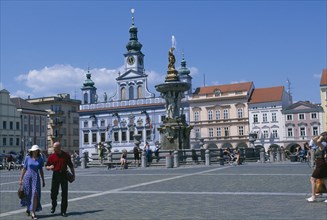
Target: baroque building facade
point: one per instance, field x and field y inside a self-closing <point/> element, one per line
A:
<point x="303" y="121"/>
<point x="266" y="117"/>
<point x="219" y="115"/>
<point x="133" y="109"/>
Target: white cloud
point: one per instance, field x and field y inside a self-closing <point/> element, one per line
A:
<point x="61" y="78"/>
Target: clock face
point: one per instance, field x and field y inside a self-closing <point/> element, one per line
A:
<point x="140" y="60"/>
<point x="130" y="60"/>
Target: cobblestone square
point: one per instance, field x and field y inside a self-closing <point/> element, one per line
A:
<point x="250" y="191"/>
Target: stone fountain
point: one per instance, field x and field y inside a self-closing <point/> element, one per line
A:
<point x="175" y="132"/>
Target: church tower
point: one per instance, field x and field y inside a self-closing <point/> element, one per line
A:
<point x="184" y="75"/>
<point x="132" y="84"/>
<point x="89" y="90"/>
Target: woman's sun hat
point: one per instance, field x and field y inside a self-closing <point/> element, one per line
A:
<point x="34" y="148"/>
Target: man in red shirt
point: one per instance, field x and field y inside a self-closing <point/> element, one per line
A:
<point x="58" y="162"/>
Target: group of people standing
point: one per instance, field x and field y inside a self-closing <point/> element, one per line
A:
<point x="137" y="151"/>
<point x="32" y="174"/>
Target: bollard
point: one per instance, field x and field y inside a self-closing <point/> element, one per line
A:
<point x="72" y="157"/>
<point x="207" y="157"/>
<point x="84" y="160"/>
<point x="169" y="161"/>
<point x="278" y="155"/>
<point x="176" y="162"/>
<point x="262" y="155"/>
<point x="312" y="155"/>
<point x="221" y="157"/>
<point x="282" y="155"/>
<point x="110" y="157"/>
<point x="271" y="156"/>
<point x="143" y="159"/>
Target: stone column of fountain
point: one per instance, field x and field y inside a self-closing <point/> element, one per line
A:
<point x="175" y="132"/>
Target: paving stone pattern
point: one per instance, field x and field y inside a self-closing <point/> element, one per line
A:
<point x="251" y="191"/>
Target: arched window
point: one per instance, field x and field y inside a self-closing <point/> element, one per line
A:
<point x="131" y="92"/>
<point x="139" y="92"/>
<point x="85" y="98"/>
<point x="123" y="93"/>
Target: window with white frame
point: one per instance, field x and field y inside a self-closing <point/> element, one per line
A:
<point x="226" y="131"/>
<point x="123" y="136"/>
<point x="197" y="133"/>
<point x="301" y="116"/>
<point x="210" y="132"/>
<point x="225" y="114"/>
<point x="86" y="138"/>
<point x="131" y="135"/>
<point x="94" y="124"/>
<point x="275" y="133"/>
<point x="264" y="117"/>
<point x="314" y="115"/>
<point x="274" y="117"/>
<point x="210" y="115"/>
<point x="314" y="131"/>
<point x="102" y="137"/>
<point x="255" y="118"/>
<point x="240" y="130"/>
<point x="240" y="113"/>
<point x="218" y="132"/>
<point x="196" y="116"/>
<point x="217" y="115"/>
<point x="102" y="123"/>
<point x="116" y="138"/>
<point x="289" y="132"/>
<point x="265" y="134"/>
<point x="289" y="117"/>
<point x="302" y="131"/>
<point x="94" y="137"/>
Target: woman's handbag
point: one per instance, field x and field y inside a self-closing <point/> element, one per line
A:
<point x="70" y="177"/>
<point x="320" y="186"/>
<point x="20" y="193"/>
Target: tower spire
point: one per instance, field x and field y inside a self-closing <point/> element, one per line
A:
<point x="133" y="44"/>
<point x="132" y="11"/>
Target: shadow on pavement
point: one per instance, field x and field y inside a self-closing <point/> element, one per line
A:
<point x="70" y="213"/>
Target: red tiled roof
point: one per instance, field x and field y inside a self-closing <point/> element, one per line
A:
<point x="246" y="86"/>
<point x="271" y="94"/>
<point x="323" y="80"/>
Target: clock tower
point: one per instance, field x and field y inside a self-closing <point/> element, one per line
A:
<point x="132" y="83"/>
<point x="134" y="57"/>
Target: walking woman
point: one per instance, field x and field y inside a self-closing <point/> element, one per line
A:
<point x="30" y="181"/>
<point x="321" y="165"/>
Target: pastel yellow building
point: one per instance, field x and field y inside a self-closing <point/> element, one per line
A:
<point x="323" y="97"/>
<point x="219" y="115"/>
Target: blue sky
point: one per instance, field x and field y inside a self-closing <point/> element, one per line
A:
<point x="47" y="46"/>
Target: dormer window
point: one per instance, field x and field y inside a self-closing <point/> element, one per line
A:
<point x="217" y="92"/>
